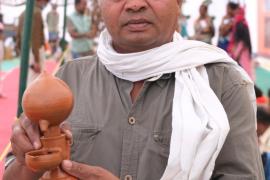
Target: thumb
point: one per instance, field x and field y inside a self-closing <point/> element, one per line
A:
<point x="79" y="170"/>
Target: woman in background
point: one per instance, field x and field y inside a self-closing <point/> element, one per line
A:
<point x="226" y="27"/>
<point x="204" y="28"/>
<point x="240" y="47"/>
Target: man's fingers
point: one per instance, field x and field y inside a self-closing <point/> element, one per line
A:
<point x="20" y="156"/>
<point x="32" y="131"/>
<point x="80" y="171"/>
<point x="20" y="143"/>
<point x="20" y="139"/>
<point x="66" y="128"/>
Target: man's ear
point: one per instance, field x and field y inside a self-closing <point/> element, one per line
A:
<point x="180" y="2"/>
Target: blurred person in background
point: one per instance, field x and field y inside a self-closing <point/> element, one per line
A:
<point x="260" y="98"/>
<point x="97" y="18"/>
<point x="53" y="27"/>
<point x="268" y="97"/>
<point x="36" y="61"/>
<point x="263" y="132"/>
<point x="182" y="21"/>
<point x="226" y="26"/>
<point x="204" y="28"/>
<point x="240" y="47"/>
<point x="1" y="56"/>
<point x="82" y="30"/>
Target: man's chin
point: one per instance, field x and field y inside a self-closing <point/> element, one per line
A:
<point x="140" y="40"/>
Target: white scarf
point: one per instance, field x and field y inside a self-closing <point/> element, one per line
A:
<point x="199" y="122"/>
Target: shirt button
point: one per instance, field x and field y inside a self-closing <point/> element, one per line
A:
<point x="131" y="120"/>
<point x="156" y="138"/>
<point x="128" y="177"/>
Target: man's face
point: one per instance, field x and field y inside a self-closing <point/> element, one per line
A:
<point x="42" y="3"/>
<point x="230" y="11"/>
<point x="81" y="7"/>
<point x="203" y="10"/>
<point x="54" y="6"/>
<point x="137" y="25"/>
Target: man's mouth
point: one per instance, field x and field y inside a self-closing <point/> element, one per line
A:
<point x="137" y="25"/>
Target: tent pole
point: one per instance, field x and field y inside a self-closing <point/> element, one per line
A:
<point x="26" y="38"/>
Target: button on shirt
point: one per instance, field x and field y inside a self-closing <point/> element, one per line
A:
<point x="131" y="120"/>
<point x="132" y="140"/>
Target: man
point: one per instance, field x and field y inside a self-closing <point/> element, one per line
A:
<point x="53" y="23"/>
<point x="82" y="29"/>
<point x="37" y="40"/>
<point x="204" y="28"/>
<point x="153" y="106"/>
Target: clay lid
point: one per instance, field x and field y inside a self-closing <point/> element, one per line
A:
<point x="47" y="98"/>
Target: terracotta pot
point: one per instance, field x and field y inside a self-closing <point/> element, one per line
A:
<point x="47" y="102"/>
<point x="57" y="174"/>
<point x="44" y="159"/>
<point x="47" y="98"/>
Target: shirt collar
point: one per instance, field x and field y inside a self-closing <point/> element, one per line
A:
<point x="161" y="79"/>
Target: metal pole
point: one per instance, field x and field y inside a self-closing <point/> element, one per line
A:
<point x="26" y="38"/>
<point x="63" y="42"/>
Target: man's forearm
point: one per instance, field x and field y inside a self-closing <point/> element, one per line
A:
<point x="18" y="171"/>
<point x="36" y="55"/>
<point x="74" y="34"/>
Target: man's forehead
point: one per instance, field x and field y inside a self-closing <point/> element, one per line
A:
<point x="179" y="1"/>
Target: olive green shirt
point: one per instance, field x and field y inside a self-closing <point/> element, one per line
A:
<point x="132" y="140"/>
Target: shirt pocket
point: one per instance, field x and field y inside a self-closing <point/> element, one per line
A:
<point x="155" y="156"/>
<point x="160" y="143"/>
<point x="227" y="176"/>
<point x="83" y="142"/>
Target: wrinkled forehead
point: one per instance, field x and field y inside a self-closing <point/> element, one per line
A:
<point x="179" y="1"/>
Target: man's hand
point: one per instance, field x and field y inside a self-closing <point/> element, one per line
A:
<point x="36" y="67"/>
<point x="85" y="172"/>
<point x="26" y="137"/>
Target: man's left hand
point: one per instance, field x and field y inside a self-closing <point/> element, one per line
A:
<point x="86" y="172"/>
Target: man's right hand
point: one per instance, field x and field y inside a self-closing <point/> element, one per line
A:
<point x="25" y="137"/>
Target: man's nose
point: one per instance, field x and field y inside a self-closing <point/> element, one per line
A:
<point x="135" y="5"/>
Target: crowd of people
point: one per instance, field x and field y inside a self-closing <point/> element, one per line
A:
<point x="85" y="24"/>
<point x="233" y="33"/>
<point x="82" y="26"/>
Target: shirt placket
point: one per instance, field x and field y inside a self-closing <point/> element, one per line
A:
<point x="131" y="142"/>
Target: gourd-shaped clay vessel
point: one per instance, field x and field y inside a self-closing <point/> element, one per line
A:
<point x="47" y="102"/>
<point x="47" y="98"/>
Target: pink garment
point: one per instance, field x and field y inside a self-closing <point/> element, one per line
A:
<point x="1" y="59"/>
<point x="239" y="17"/>
<point x="241" y="54"/>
